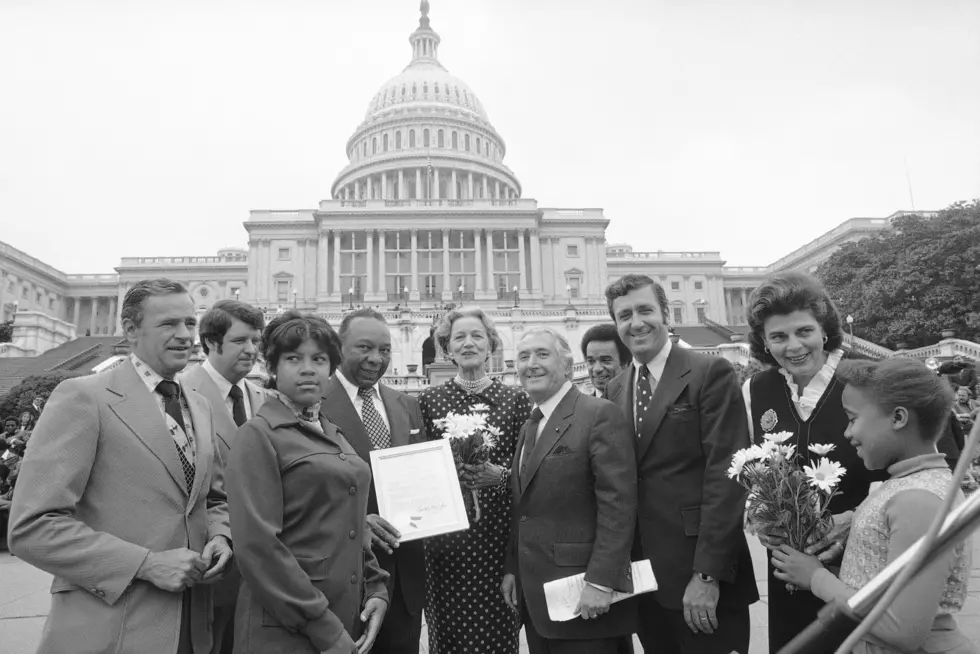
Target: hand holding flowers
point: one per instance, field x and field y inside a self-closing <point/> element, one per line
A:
<point x="471" y="438"/>
<point x="788" y="504"/>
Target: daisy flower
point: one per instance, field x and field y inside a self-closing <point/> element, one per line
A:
<point x="825" y="475"/>
<point x="822" y="450"/>
<point x="779" y="437"/>
<point x="739" y="459"/>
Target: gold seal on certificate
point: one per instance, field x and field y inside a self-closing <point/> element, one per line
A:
<point x="418" y="489"/>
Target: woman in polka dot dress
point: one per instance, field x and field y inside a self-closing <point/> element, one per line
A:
<point x="464" y="609"/>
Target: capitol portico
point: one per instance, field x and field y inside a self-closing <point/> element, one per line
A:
<point x="425" y="214"/>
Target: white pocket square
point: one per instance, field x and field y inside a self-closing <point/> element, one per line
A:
<point x="412" y="432"/>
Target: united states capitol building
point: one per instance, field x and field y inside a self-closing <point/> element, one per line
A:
<point x="425" y="214"/>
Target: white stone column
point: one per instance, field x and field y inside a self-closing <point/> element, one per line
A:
<point x="435" y="184"/>
<point x="452" y="192"/>
<point x="251" y="293"/>
<point x="522" y="258"/>
<point x="603" y="267"/>
<point x="369" y="287"/>
<point x="347" y="191"/>
<point x="491" y="287"/>
<point x="267" y="264"/>
<point x="496" y="189"/>
<point x="745" y="304"/>
<point x="384" y="186"/>
<point x="111" y="317"/>
<point x="486" y="188"/>
<point x="120" y="298"/>
<point x="547" y="268"/>
<point x="447" y="292"/>
<point x="382" y="281"/>
<point x="401" y="185"/>
<point x="418" y="184"/>
<point x="76" y="315"/>
<point x="310" y="271"/>
<point x="535" y="263"/>
<point x="414" y="258"/>
<point x="336" y="265"/>
<point x="469" y="185"/>
<point x="478" y="251"/>
<point x="91" y="319"/>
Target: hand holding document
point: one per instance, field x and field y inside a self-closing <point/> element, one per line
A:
<point x="562" y="595"/>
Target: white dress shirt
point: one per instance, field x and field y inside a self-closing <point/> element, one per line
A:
<point x="548" y="406"/>
<point x="224" y="388"/>
<point x="656" y="368"/>
<point x="358" y="401"/>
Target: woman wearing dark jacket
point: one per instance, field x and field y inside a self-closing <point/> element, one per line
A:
<point x="298" y="496"/>
<point x="795" y="328"/>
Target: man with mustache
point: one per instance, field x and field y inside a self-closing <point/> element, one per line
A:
<point x="375" y="417"/>
<point x="688" y="419"/>
<point x="230" y="335"/>
<point x="122" y="498"/>
<point x="605" y="355"/>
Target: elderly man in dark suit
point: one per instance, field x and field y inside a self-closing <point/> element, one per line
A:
<point x="231" y="332"/>
<point x="574" y="486"/>
<point x="688" y="419"/>
<point x="121" y="497"/>
<point x="373" y="416"/>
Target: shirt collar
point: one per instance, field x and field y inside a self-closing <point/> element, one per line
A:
<point x="815" y="389"/>
<point x="918" y="464"/>
<point x="224" y="386"/>
<point x="303" y="413"/>
<point x="353" y="388"/>
<point x="548" y="406"/>
<point x="149" y="376"/>
<point x="656" y="367"/>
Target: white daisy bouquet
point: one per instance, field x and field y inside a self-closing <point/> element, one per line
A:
<point x="784" y="494"/>
<point x="471" y="438"/>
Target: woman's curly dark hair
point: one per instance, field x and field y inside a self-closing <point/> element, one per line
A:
<point x="287" y="332"/>
<point x="783" y="293"/>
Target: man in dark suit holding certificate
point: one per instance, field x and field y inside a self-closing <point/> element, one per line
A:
<point x="375" y="417"/>
<point x="574" y="487"/>
<point x="688" y="418"/>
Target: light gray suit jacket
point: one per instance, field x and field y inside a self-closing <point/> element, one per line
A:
<point x="100" y="489"/>
<point x="197" y="379"/>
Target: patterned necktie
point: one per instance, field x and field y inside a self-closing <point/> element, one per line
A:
<point x="377" y="430"/>
<point x="171" y="404"/>
<point x="644" y="396"/>
<point x="532" y="437"/>
<point x="237" y="406"/>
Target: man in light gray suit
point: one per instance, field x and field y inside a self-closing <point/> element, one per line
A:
<point x="231" y="332"/>
<point x="121" y="496"/>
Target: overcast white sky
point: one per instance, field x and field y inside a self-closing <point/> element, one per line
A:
<point x="138" y="128"/>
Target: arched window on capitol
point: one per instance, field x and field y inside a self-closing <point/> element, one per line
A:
<point x="455" y="141"/>
<point x="440" y="140"/>
<point x="425" y="137"/>
<point x="374" y="145"/>
<point x="411" y="138"/>
<point x="398" y="140"/>
<point x="466" y="142"/>
<point x="384" y="142"/>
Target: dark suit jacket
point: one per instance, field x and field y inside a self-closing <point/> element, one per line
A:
<point x="407" y="566"/>
<point x="574" y="508"/>
<point x="690" y="512"/>
<point x="298" y="503"/>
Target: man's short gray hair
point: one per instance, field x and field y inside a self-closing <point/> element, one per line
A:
<point x="132" y="307"/>
<point x="561" y="344"/>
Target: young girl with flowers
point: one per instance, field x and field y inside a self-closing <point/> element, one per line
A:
<point x="897" y="410"/>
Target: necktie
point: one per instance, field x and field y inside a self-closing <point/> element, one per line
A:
<point x="171" y="404"/>
<point x="644" y="395"/>
<point x="532" y="437"/>
<point x="377" y="430"/>
<point x="237" y="406"/>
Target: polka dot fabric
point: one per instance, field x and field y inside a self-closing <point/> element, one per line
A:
<point x="464" y="609"/>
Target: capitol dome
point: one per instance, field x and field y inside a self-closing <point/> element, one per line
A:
<point x="425" y="136"/>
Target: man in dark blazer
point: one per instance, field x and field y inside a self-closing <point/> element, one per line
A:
<point x="688" y="419"/>
<point x="373" y="416"/>
<point x="574" y="487"/>
<point x="605" y="356"/>
<point x="122" y="498"/>
<point x="230" y="332"/>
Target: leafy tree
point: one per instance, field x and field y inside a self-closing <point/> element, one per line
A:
<point x="748" y="369"/>
<point x="6" y="331"/>
<point x="21" y="396"/>
<point x="914" y="281"/>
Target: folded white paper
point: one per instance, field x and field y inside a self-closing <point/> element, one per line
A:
<point x="563" y="594"/>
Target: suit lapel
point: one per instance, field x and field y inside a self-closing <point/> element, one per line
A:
<point x="398" y="420"/>
<point x="669" y="387"/>
<point x="338" y="409"/>
<point x="198" y="379"/>
<point x="203" y="428"/>
<point x="620" y="392"/>
<point x="554" y="429"/>
<point x="517" y="484"/>
<point x="256" y="396"/>
<point x="137" y="409"/>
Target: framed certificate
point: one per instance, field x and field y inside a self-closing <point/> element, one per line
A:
<point x="417" y="489"/>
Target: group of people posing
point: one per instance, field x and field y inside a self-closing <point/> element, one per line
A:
<point x="191" y="511"/>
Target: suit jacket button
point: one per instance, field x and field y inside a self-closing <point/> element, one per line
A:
<point x="353" y="534"/>
<point x="353" y="579"/>
<point x="352" y="490"/>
